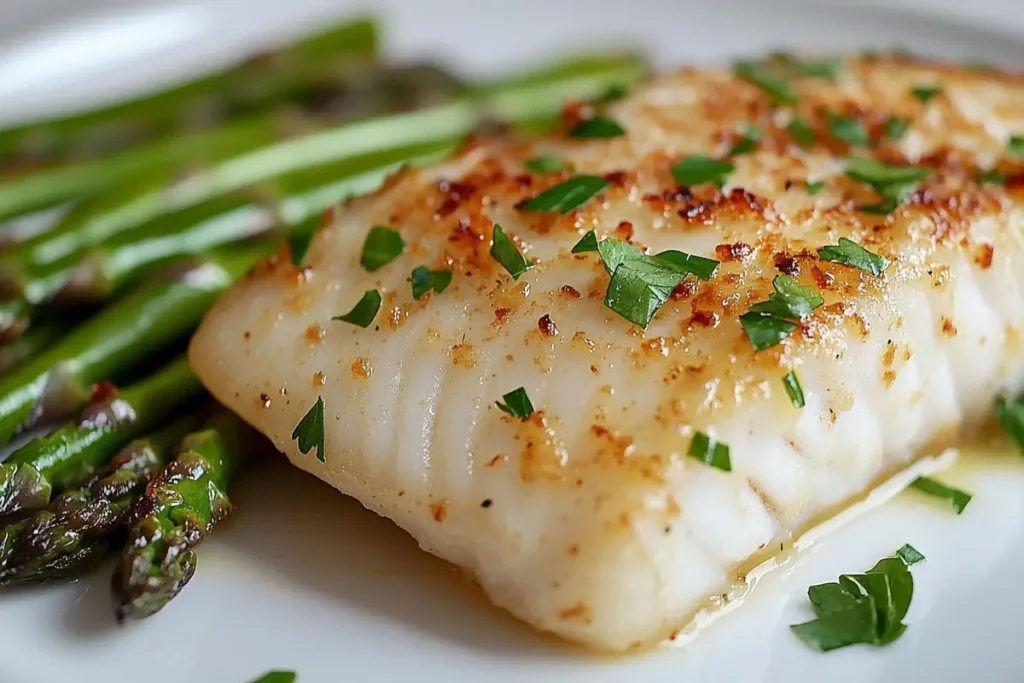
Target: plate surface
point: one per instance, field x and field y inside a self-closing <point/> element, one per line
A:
<point x="305" y="579"/>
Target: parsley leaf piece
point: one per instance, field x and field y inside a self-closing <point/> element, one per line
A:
<point x="793" y="389"/>
<point x="748" y="143"/>
<point x="1015" y="145"/>
<point x="877" y="173"/>
<point x="597" y="127"/>
<point x="992" y="176"/>
<point x="828" y="69"/>
<point x="636" y="295"/>
<point x="587" y="243"/>
<point x="765" y="330"/>
<point x="310" y="431"/>
<point x="1011" y="416"/>
<point x="925" y="92"/>
<point x="856" y="624"/>
<point x="801" y="132"/>
<point x="958" y="498"/>
<point x="516" y="403"/>
<point x="815" y="187"/>
<point x="849" y="253"/>
<point x="910" y="555"/>
<point x="565" y="197"/>
<point x="789" y="300"/>
<point x="365" y="310"/>
<point x="424" y="280"/>
<point x="775" y="87"/>
<point x="382" y="246"/>
<point x="544" y="164"/>
<point x="505" y="252"/>
<point x="703" y="268"/>
<point x="849" y="130"/>
<point x="277" y="677"/>
<point x="697" y="169"/>
<point x="896" y="127"/>
<point x="710" y="452"/>
<point x="298" y="245"/>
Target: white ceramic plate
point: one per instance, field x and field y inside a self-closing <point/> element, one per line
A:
<point x="305" y="579"/>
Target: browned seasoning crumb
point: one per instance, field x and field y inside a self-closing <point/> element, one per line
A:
<point x="264" y="400"/>
<point x="787" y="264"/>
<point x="464" y="355"/>
<point x="495" y="460"/>
<point x="500" y="313"/>
<point x="571" y="292"/>
<point x="617" y="178"/>
<point x="439" y="511"/>
<point x="314" y="333"/>
<point x="733" y="252"/>
<point x="984" y="256"/>
<point x="624" y="231"/>
<point x="319" y="379"/>
<point x="574" y="549"/>
<point x="361" y="368"/>
<point x="578" y="612"/>
<point x="593" y="369"/>
<point x="948" y="328"/>
<point x="247" y="335"/>
<point x="547" y="326"/>
<point x="487" y="503"/>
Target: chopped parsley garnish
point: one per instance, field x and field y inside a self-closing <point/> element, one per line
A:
<point x="894" y="183"/>
<point x="1011" y="416"/>
<point x="298" y="245"/>
<point x="958" y="498"/>
<point x="516" y="403"/>
<point x="703" y="268"/>
<point x="365" y="310"/>
<point x="697" y="169"/>
<point x="710" y="452"/>
<point x="862" y="608"/>
<point x="310" y="431"/>
<point x="992" y="176"/>
<point x="1015" y="145"/>
<point x="277" y="677"/>
<point x="748" y="143"/>
<point x="587" y="243"/>
<point x="424" y="280"/>
<point x="801" y="132"/>
<point x="849" y="130"/>
<point x="828" y="69"/>
<point x="565" y="197"/>
<point x="849" y="253"/>
<point x="814" y="188"/>
<point x="775" y="87"/>
<point x="793" y="389"/>
<point x="544" y="164"/>
<point x="597" y="127"/>
<point x="895" y="127"/>
<point x="382" y="246"/>
<point x="925" y="92"/>
<point x="910" y="554"/>
<point x="505" y="252"/>
<point x="768" y="323"/>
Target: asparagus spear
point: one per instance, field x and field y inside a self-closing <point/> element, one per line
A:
<point x="39" y="337"/>
<point x="57" y="382"/>
<point x="51" y="463"/>
<point x="514" y="100"/>
<point x="257" y="83"/>
<point x="30" y="547"/>
<point x="179" y="508"/>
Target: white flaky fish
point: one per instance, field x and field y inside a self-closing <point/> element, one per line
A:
<point x="607" y="515"/>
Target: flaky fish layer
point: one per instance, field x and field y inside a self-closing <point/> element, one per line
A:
<point x="589" y="519"/>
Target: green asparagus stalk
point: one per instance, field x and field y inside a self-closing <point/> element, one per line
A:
<point x="51" y="463"/>
<point x="514" y="100"/>
<point x="253" y="85"/>
<point x="58" y="382"/>
<point x="30" y="547"/>
<point x="179" y="509"/>
<point x="38" y="338"/>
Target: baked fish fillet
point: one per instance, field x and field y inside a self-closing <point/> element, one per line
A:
<point x="590" y="518"/>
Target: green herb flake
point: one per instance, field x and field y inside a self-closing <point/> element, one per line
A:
<point x="748" y="143"/>
<point x="849" y="253"/>
<point x="298" y="246"/>
<point x="597" y="127"/>
<point x="828" y="69"/>
<point x="277" y="677"/>
<point x="710" y="452"/>
<point x="365" y="310"/>
<point x="697" y="169"/>
<point x="1015" y="145"/>
<point x="925" y="92"/>
<point x="587" y="243"/>
<point x="894" y="183"/>
<point x="703" y="268"/>
<point x="1010" y="412"/>
<point x="849" y="130"/>
<point x="505" y="252"/>
<point x="991" y="176"/>
<point x="516" y="403"/>
<point x="310" y="431"/>
<point x="382" y="246"/>
<point x="424" y="280"/>
<point x="768" y="323"/>
<point x="775" y="87"/>
<point x="863" y="608"/>
<point x="815" y="187"/>
<point x="764" y="330"/>
<point x="910" y="555"/>
<point x="801" y="132"/>
<point x="958" y="498"/>
<point x="896" y="127"/>
<point x="565" y="197"/>
<point x="544" y="164"/>
<point x="793" y="389"/>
